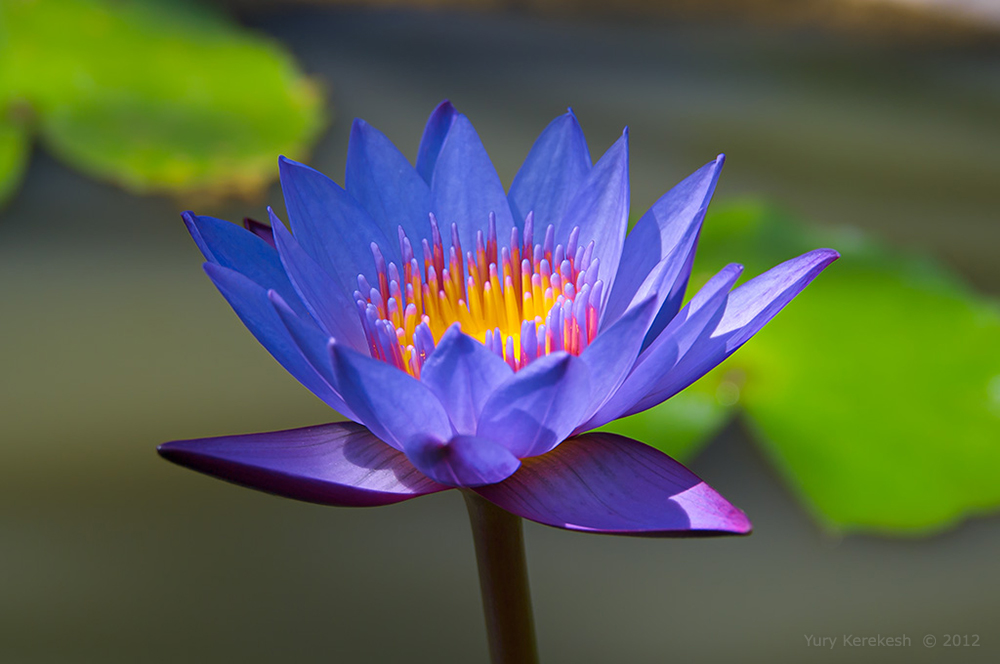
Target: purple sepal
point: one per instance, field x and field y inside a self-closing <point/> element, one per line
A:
<point x="263" y="231"/>
<point x="604" y="483"/>
<point x="464" y="461"/>
<point x="234" y="248"/>
<point x="339" y="464"/>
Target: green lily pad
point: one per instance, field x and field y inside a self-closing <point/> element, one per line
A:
<point x="876" y="393"/>
<point x="14" y="148"/>
<point x="157" y="96"/>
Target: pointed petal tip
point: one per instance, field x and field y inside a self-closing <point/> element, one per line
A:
<point x="213" y="270"/>
<point x="178" y="452"/>
<point x="286" y="164"/>
<point x="361" y="131"/>
<point x="733" y="269"/>
<point x="190" y="220"/>
<point x="710" y="513"/>
<point x="829" y="254"/>
<point x="609" y="484"/>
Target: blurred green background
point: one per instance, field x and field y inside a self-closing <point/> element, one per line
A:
<point x="112" y="340"/>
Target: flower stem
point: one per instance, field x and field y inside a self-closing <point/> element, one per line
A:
<point x="503" y="580"/>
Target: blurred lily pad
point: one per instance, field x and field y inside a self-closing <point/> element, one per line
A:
<point x="876" y="393"/>
<point x="14" y="147"/>
<point x="157" y="96"/>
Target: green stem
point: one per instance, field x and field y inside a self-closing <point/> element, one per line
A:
<point x="503" y="580"/>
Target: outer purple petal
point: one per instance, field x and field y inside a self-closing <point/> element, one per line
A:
<point x="695" y="321"/>
<point x="669" y="229"/>
<point x="747" y="310"/>
<point x="539" y="406"/>
<point x="393" y="404"/>
<point x="229" y="246"/>
<point x="340" y="464"/>
<point x="323" y="297"/>
<point x="330" y="225"/>
<point x="438" y="125"/>
<point x="465" y="461"/>
<point x="383" y="181"/>
<point x="605" y="483"/>
<point x="466" y="187"/>
<point x="600" y="209"/>
<point x="552" y="173"/>
<point x="463" y="374"/>
<point x="253" y="306"/>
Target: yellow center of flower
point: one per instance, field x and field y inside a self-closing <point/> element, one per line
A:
<point x="522" y="302"/>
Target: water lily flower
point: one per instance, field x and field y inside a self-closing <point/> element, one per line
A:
<point x="475" y="337"/>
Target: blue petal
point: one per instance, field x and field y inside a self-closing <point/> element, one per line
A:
<point x="604" y="483"/>
<point x="314" y="344"/>
<point x="539" y="406"/>
<point x="394" y="405"/>
<point x="552" y="173"/>
<point x="464" y="461"/>
<point x="383" y="181"/>
<point x="339" y="464"/>
<point x="253" y="306"/>
<point x="600" y="209"/>
<point x="463" y="374"/>
<point x="697" y="319"/>
<point x="658" y="285"/>
<point x="668" y="230"/>
<point x="330" y="225"/>
<point x="438" y="125"/>
<point x="323" y="297"/>
<point x="747" y="310"/>
<point x="229" y="246"/>
<point x="613" y="353"/>
<point x="466" y="187"/>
